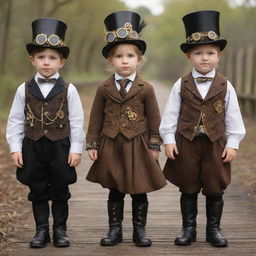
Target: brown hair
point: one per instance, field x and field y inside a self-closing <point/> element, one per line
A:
<point x="41" y="49"/>
<point x="192" y="48"/>
<point x="137" y="51"/>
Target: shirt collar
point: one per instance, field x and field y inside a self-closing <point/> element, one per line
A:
<point x="131" y="77"/>
<point x="56" y="75"/>
<point x="196" y="74"/>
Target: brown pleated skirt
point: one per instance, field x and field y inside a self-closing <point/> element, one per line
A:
<point x="126" y="165"/>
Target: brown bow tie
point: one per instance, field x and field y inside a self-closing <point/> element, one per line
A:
<point x="203" y="79"/>
<point x="46" y="80"/>
<point x="123" y="83"/>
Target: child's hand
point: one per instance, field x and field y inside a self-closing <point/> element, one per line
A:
<point x="17" y="159"/>
<point x="74" y="159"/>
<point x="154" y="153"/>
<point x="93" y="154"/>
<point x="229" y="154"/>
<point x="170" y="149"/>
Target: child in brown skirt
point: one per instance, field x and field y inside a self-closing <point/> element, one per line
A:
<point x="201" y="129"/>
<point x="123" y="137"/>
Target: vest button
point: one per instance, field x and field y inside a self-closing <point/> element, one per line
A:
<point x="61" y="126"/>
<point x="46" y="103"/>
<point x="195" y="129"/>
<point x="122" y="115"/>
<point x="123" y="125"/>
<point x="45" y="131"/>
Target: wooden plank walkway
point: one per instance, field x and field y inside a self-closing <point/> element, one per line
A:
<point x="88" y="221"/>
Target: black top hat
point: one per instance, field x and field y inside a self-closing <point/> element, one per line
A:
<point x="123" y="27"/>
<point x="202" y="27"/>
<point x="48" y="33"/>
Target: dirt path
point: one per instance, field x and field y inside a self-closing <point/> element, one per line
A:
<point x="88" y="220"/>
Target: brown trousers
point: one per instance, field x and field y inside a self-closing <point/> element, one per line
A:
<point x="198" y="166"/>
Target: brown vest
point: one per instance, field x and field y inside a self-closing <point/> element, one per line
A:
<point x="46" y="116"/>
<point x="210" y="111"/>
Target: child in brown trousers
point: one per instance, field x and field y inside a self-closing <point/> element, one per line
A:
<point x="123" y="137"/>
<point x="201" y="129"/>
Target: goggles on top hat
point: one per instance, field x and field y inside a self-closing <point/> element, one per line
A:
<point x="52" y="40"/>
<point x="122" y="33"/>
<point x="203" y="36"/>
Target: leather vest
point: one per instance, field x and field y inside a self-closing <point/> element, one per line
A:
<point x="209" y="112"/>
<point x="46" y="116"/>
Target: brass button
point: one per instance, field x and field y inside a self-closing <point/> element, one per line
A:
<point x="45" y="131"/>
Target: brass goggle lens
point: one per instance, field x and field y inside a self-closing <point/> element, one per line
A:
<point x="41" y="39"/>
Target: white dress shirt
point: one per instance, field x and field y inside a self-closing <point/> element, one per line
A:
<point x="235" y="129"/>
<point x="16" y="119"/>
<point x="129" y="85"/>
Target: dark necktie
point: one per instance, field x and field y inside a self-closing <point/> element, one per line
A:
<point x="123" y="83"/>
<point x="203" y="79"/>
<point x="46" y="80"/>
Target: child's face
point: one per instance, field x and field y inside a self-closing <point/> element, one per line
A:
<point x="204" y="58"/>
<point x="47" y="62"/>
<point x="125" y="59"/>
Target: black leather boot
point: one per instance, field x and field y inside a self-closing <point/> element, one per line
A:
<point x="139" y="218"/>
<point x="188" y="205"/>
<point x="213" y="212"/>
<point x="41" y="216"/>
<point x="60" y="215"/>
<point x="115" y="219"/>
<point x="41" y="238"/>
<point x="60" y="238"/>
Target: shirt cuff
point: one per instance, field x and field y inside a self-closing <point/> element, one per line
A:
<point x="76" y="147"/>
<point x="232" y="143"/>
<point x="169" y="139"/>
<point x="15" y="147"/>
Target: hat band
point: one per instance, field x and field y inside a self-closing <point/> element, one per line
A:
<point x="203" y="36"/>
<point x="125" y="32"/>
<point x="51" y="40"/>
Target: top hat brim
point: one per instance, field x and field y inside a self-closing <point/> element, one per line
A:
<point x="188" y="45"/>
<point x="139" y="43"/>
<point x="63" y="49"/>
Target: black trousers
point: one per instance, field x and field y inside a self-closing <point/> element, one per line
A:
<point x="46" y="171"/>
<point x="117" y="196"/>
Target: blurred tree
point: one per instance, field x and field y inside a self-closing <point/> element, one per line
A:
<point x="6" y="10"/>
